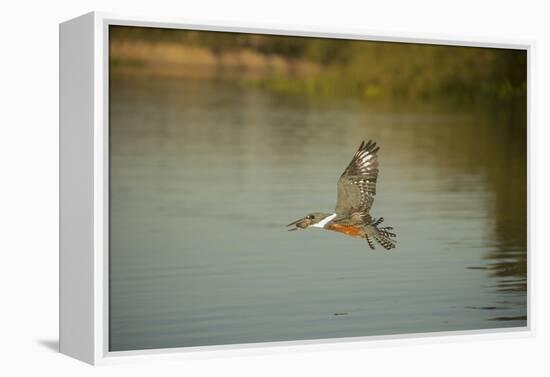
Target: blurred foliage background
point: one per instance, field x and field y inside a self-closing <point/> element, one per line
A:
<point x="326" y="67"/>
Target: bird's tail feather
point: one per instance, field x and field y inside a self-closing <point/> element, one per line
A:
<point x="384" y="236"/>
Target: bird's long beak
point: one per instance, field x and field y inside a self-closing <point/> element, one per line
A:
<point x="299" y="224"/>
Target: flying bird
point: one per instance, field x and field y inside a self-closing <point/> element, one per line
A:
<point x="356" y="190"/>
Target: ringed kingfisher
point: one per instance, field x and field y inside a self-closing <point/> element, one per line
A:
<point x="356" y="190"/>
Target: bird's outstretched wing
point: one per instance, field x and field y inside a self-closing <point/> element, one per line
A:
<point x="357" y="185"/>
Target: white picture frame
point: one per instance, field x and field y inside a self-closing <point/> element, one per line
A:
<point x="84" y="191"/>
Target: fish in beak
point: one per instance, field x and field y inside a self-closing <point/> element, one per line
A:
<point x="300" y="224"/>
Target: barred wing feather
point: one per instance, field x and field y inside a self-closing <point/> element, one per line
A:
<point x="357" y="185"/>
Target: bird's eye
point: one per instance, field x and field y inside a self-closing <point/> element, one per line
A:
<point x="310" y="217"/>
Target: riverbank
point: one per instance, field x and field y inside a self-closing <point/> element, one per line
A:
<point x="322" y="67"/>
<point x="176" y="60"/>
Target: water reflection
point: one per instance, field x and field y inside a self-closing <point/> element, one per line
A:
<point x="204" y="176"/>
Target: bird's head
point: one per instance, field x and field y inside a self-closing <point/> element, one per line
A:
<point x="312" y="219"/>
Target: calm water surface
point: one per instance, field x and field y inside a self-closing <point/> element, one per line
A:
<point x="204" y="176"/>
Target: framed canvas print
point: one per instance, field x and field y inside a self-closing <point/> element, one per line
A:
<point x="226" y="188"/>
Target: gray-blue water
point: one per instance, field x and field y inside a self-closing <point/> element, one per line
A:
<point x="204" y="176"/>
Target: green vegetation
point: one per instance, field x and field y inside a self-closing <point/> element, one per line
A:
<point x="413" y="71"/>
<point x="364" y="69"/>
